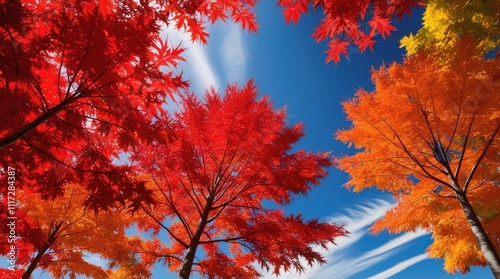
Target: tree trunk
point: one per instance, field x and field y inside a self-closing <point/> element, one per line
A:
<point x="187" y="265"/>
<point x="483" y="240"/>
<point x="35" y="261"/>
<point x="41" y="252"/>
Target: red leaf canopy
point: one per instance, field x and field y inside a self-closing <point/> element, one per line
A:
<point x="228" y="155"/>
<point x="83" y="81"/>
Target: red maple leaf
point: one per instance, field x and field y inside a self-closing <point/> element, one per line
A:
<point x="336" y="47"/>
<point x="364" y="41"/>
<point x="292" y="13"/>
<point x="247" y="20"/>
<point x="382" y="24"/>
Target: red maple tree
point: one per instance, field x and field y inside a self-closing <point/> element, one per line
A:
<point x="228" y="159"/>
<point x="81" y="82"/>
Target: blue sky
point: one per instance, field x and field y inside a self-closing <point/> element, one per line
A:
<point x="287" y="64"/>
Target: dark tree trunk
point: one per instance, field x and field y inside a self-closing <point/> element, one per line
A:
<point x="187" y="265"/>
<point x="41" y="252"/>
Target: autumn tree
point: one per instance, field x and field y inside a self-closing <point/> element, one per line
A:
<point x="73" y="74"/>
<point x="82" y="81"/>
<point x="445" y="22"/>
<point x="428" y="134"/>
<point x="230" y="158"/>
<point x="347" y="22"/>
<point x="59" y="235"/>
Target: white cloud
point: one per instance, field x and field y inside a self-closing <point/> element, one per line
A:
<point x="342" y="262"/>
<point x="351" y="265"/>
<point x="397" y="242"/>
<point x="400" y="267"/>
<point x="200" y="66"/>
<point x="359" y="219"/>
<point x="197" y="59"/>
<point x="233" y="54"/>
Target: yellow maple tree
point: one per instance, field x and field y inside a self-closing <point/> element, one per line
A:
<point x="446" y="21"/>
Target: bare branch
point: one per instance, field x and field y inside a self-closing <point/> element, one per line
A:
<point x="474" y="168"/>
<point x="164" y="227"/>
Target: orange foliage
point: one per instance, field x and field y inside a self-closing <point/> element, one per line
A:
<point x="61" y="237"/>
<point x="429" y="134"/>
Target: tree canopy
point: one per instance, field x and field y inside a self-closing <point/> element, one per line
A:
<point x="60" y="236"/>
<point x="428" y="134"/>
<point x="228" y="158"/>
<point x="445" y="22"/>
<point x="83" y="81"/>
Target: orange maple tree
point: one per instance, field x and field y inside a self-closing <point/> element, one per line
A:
<point x="82" y="81"/>
<point x="229" y="157"/>
<point x="429" y="134"/>
<point x="347" y="22"/>
<point x="59" y="236"/>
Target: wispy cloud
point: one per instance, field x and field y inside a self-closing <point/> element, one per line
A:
<point x="198" y="62"/>
<point x="400" y="267"/>
<point x="197" y="57"/>
<point x="352" y="264"/>
<point x="202" y="67"/>
<point x="343" y="262"/>
<point x="233" y="54"/>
